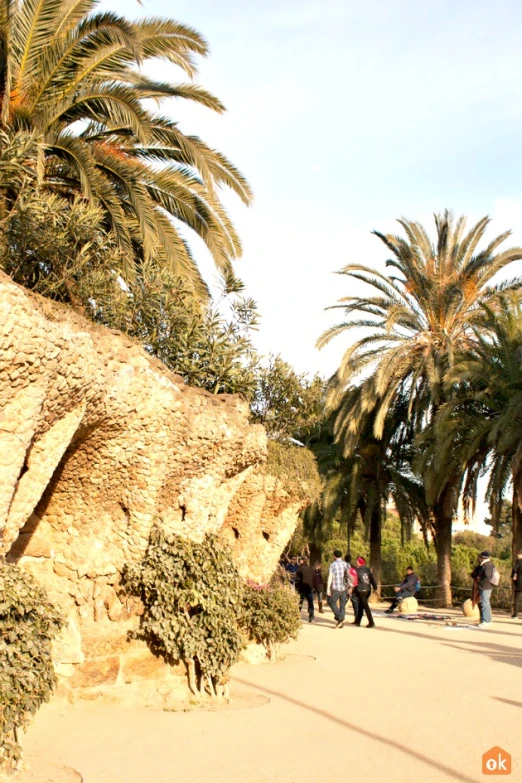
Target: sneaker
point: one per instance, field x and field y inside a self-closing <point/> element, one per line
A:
<point x="484" y="625"/>
<point x="388" y="611"/>
<point x="514" y="615"/>
<point x="338" y="623"/>
<point x="341" y="625"/>
<point x="371" y="625"/>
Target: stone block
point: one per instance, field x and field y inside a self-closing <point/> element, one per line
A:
<point x="96" y="671"/>
<point x="67" y="647"/>
<point x="473" y="612"/>
<point x="143" y="665"/>
<point x="409" y="605"/>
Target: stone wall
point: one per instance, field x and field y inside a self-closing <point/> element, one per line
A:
<point x="97" y="442"/>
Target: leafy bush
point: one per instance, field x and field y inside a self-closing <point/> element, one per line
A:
<point x="28" y="623"/>
<point x="270" y="614"/>
<point x="192" y="594"/>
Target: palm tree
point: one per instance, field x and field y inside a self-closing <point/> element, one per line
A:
<point x="415" y="320"/>
<point x="483" y="423"/>
<point x="72" y="78"/>
<point x="363" y="480"/>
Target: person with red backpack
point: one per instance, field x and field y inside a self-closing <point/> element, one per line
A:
<point x="365" y="582"/>
<point x="351" y="583"/>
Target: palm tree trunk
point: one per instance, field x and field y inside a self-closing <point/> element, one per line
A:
<point x="375" y="545"/>
<point x="316" y="553"/>
<point x="443" y="512"/>
<point x="516" y="512"/>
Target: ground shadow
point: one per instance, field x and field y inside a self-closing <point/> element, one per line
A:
<point x="508" y="701"/>
<point x="497" y="652"/>
<point x="451" y="773"/>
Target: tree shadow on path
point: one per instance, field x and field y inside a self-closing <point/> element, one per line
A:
<point x="448" y="771"/>
<point x="497" y="652"/>
<point x="508" y="701"/>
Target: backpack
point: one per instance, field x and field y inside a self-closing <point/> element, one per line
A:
<point x="417" y="586"/>
<point x="351" y="578"/>
<point x="495" y="577"/>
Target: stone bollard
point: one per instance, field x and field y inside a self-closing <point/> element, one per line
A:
<point x="408" y="605"/>
<point x="473" y="612"/>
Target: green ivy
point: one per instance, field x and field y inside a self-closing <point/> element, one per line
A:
<point x="270" y="614"/>
<point x="192" y="594"/>
<point x="28" y="624"/>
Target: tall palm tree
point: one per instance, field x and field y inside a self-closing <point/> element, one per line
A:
<point x="362" y="481"/>
<point x="72" y="77"/>
<point x="483" y="422"/>
<point x="415" y="319"/>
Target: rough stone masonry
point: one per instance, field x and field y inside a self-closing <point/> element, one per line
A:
<point x="99" y="441"/>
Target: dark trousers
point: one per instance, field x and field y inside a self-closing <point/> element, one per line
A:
<point x="354" y="599"/>
<point x="398" y="598"/>
<point x="308" y="593"/>
<point x="517" y="603"/>
<point x="362" y="606"/>
<point x="338" y="597"/>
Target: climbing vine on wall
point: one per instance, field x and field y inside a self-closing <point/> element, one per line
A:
<point x="28" y="624"/>
<point x="192" y="595"/>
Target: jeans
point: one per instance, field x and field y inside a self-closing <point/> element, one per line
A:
<point x="398" y="598"/>
<point x="338" y="596"/>
<point x="319" y="593"/>
<point x="485" y="606"/>
<point x="309" y="595"/>
<point x="354" y="599"/>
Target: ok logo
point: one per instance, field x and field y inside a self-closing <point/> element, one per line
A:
<point x="496" y="762"/>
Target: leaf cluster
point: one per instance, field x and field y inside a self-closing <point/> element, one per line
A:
<point x="270" y="612"/>
<point x="28" y="624"/>
<point x="192" y="594"/>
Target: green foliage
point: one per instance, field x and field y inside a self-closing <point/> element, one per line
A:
<point x="192" y="595"/>
<point x="287" y="404"/>
<point x="73" y="78"/>
<point x="208" y="344"/>
<point x="270" y="613"/>
<point x="296" y="467"/>
<point x="28" y="623"/>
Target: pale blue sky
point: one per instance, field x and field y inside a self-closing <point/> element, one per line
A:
<point x="345" y="115"/>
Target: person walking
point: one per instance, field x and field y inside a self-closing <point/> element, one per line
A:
<point x="336" y="588"/>
<point x="291" y="569"/>
<point x="352" y="583"/>
<point x="407" y="588"/>
<point x="484" y="576"/>
<point x="365" y="583"/>
<point x="516" y="576"/>
<point x="305" y="587"/>
<point x="318" y="585"/>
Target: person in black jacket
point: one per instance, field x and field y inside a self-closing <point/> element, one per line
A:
<point x="482" y="575"/>
<point x="305" y="587"/>
<point x="406" y="589"/>
<point x="516" y="576"/>
<point x="366" y="581"/>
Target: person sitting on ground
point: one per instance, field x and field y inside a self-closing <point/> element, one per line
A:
<point x="482" y="575"/>
<point x="305" y="587"/>
<point x="365" y="582"/>
<point x="406" y="589"/>
<point x="516" y="576"/>
<point x="318" y="584"/>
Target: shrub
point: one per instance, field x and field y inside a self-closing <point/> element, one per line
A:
<point x="28" y="623"/>
<point x="192" y="594"/>
<point x="270" y="614"/>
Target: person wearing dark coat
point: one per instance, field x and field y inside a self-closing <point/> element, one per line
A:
<point x="366" y="581"/>
<point x="406" y="589"/>
<point x="305" y="587"/>
<point x="516" y="576"/>
<point x="318" y="584"/>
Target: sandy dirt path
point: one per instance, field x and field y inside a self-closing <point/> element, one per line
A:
<point x="406" y="700"/>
